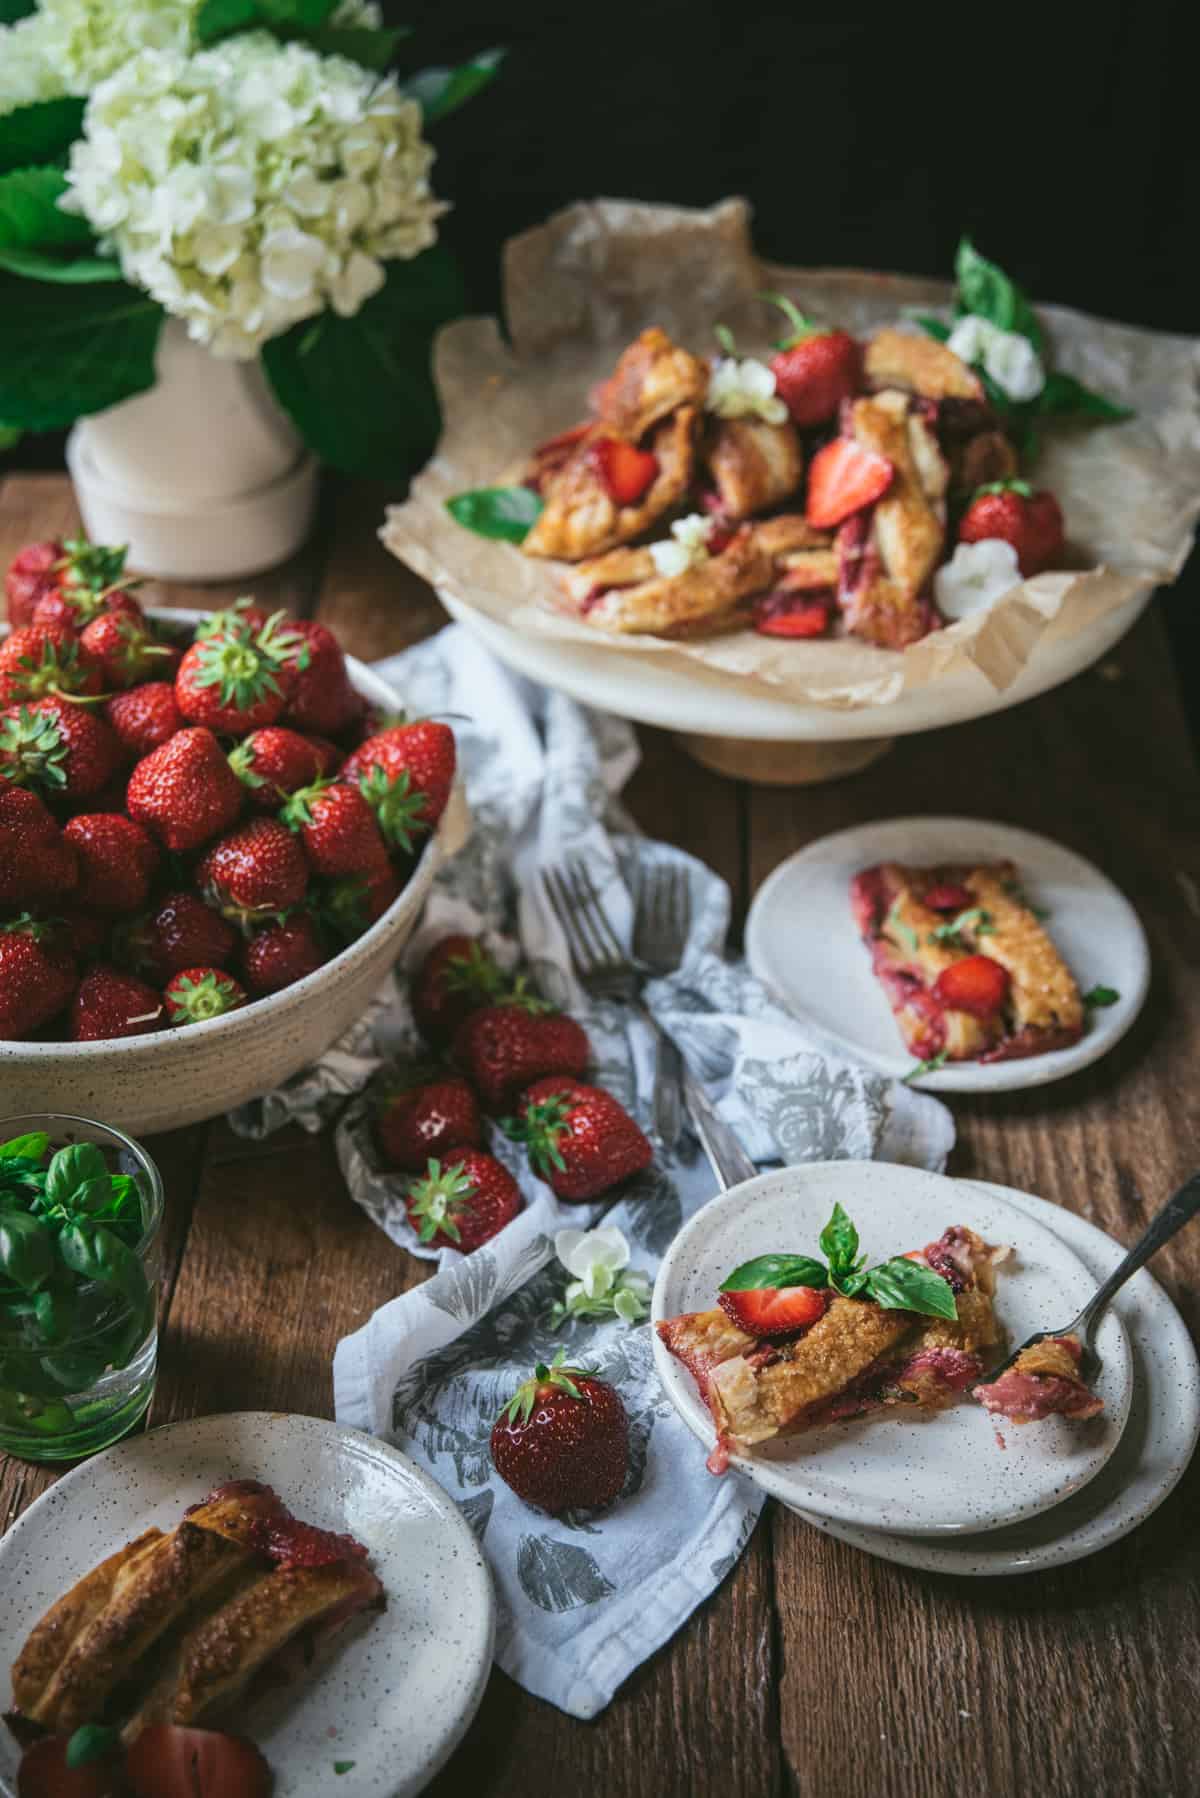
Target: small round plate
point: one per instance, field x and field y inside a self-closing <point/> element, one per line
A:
<point x="397" y="1695"/>
<point x="938" y="1473"/>
<point x="1156" y="1446"/>
<point x="802" y="943"/>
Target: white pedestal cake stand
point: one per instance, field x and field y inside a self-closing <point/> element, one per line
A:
<point x="773" y="742"/>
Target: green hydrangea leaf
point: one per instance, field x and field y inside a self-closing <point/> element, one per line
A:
<point x="39" y="240"/>
<point x="360" y="389"/>
<point x="66" y="351"/>
<point x="10" y="434"/>
<point x="12" y="10"/>
<point x="443" y="91"/>
<point x="40" y="132"/>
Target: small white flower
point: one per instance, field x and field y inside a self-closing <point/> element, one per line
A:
<point x="1008" y="358"/>
<point x="579" y="1250"/>
<point x="686" y="547"/>
<point x="744" y="388"/>
<point x="975" y="577"/>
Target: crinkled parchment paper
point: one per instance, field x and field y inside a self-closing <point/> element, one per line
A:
<point x="580" y="286"/>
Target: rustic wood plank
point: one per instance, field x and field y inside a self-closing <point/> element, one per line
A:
<point x="946" y="1684"/>
<point x="373" y="603"/>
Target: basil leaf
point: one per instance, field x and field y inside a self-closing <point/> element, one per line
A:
<point x="924" y="1067"/>
<point x="1101" y="995"/>
<point x="26" y="1250"/>
<point x="1063" y="394"/>
<point x="507" y="513"/>
<point x="40" y="132"/>
<point x="54" y="1309"/>
<point x="902" y="1285"/>
<point x="94" y="1253"/>
<point x="91" y="1742"/>
<point x="442" y="91"/>
<point x="975" y="917"/>
<point x="72" y="1168"/>
<point x="985" y="289"/>
<point x="775" y="1271"/>
<point x="934" y="327"/>
<point x="29" y="1148"/>
<point x="839" y="1243"/>
<point x="850" y="1285"/>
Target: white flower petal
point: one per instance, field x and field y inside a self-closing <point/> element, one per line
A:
<point x="565" y="1244"/>
<point x="670" y="558"/>
<point x="1008" y="358"/>
<point x="975" y="577"/>
<point x="744" y="388"/>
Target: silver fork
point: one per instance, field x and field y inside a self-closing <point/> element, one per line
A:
<point x="662" y="925"/>
<point x="1177" y="1211"/>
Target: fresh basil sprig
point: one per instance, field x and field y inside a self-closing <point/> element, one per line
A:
<point x="924" y="1067"/>
<point x="975" y="918"/>
<point x="506" y="513"/>
<point x="1100" y="996"/>
<point x="896" y="1285"/>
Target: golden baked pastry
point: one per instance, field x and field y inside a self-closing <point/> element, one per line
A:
<point x="1043" y="1381"/>
<point x="581" y="518"/>
<point x="919" y="365"/>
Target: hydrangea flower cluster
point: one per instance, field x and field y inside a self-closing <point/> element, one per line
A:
<point x="254" y="184"/>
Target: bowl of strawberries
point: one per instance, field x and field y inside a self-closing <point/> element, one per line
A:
<point x="215" y="838"/>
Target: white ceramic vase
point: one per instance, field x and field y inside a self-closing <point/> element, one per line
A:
<point x="203" y="476"/>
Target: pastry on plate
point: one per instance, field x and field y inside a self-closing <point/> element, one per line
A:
<point x="965" y="963"/>
<point x="1043" y="1381"/>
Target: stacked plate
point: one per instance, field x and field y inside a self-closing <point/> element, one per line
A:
<point x="945" y="1491"/>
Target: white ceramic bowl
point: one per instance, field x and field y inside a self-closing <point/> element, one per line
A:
<point x="172" y="1077"/>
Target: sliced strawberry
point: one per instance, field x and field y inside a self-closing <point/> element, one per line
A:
<point x="976" y="984"/>
<point x="948" y="897"/>
<point x="44" y="1773"/>
<point x="167" y="1761"/>
<point x="775" y="1310"/>
<point x="843" y="478"/>
<point x="625" y="470"/>
<point x="781" y="614"/>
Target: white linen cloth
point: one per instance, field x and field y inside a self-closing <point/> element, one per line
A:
<point x="582" y="1599"/>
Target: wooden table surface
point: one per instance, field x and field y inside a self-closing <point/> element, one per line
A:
<point x="813" y="1669"/>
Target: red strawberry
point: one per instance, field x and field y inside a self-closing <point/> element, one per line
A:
<point x="321" y="698"/>
<point x="255" y="873"/>
<point x="44" y="1773"/>
<point x="36" y="861"/>
<point x="108" y="1004"/>
<point x="1011" y="510"/>
<point x="30" y="574"/>
<point x="505" y="1047"/>
<point x="775" y="1310"/>
<point x="784" y="614"/>
<point x="36" y="979"/>
<point x="146" y="716"/>
<point x="562" y="1440"/>
<point x="58" y="745"/>
<point x="76" y="607"/>
<point x="424" y="1110"/>
<point x="238" y="679"/>
<point x="976" y="984"/>
<point x="455" y="979"/>
<point x="337" y="828"/>
<point x="168" y="1761"/>
<point x="843" y="477"/>
<point x="83" y="933"/>
<point x="117" y="861"/>
<point x="279" y="954"/>
<point x="405" y="775"/>
<point x="126" y="650"/>
<point x="625" y="471"/>
<point x="275" y="762"/>
<point x="45" y="658"/>
<point x="948" y="897"/>
<point x="579" y="1139"/>
<point x="351" y="904"/>
<point x="815" y="369"/>
<point x="463" y="1200"/>
<point x="181" y="932"/>
<point x="185" y="791"/>
<point x="87" y="579"/>
<point x="196" y="994"/>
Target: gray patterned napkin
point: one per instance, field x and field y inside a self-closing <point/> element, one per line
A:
<point x="582" y="1599"/>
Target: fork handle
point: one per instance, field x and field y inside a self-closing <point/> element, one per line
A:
<point x="726" y="1156"/>
<point x="1177" y="1211"/>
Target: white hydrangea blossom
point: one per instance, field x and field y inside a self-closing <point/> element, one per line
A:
<point x="975" y="577"/>
<point x="1010" y="359"/>
<point x="744" y="388"/>
<point x="252" y="185"/>
<point x="27" y="71"/>
<point x="686" y="547"/>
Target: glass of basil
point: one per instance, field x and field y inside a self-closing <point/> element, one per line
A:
<point x="80" y="1211"/>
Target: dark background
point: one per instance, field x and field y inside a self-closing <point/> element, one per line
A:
<point x="1060" y="137"/>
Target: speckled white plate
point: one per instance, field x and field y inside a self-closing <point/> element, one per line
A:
<point x="802" y="943"/>
<point x="398" y="1690"/>
<point x="1156" y="1446"/>
<point x="938" y="1473"/>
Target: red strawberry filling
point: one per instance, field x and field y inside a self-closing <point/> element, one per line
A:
<point x="784" y="614"/>
<point x="843" y="478"/>
<point x="626" y="471"/>
<point x="947" y="897"/>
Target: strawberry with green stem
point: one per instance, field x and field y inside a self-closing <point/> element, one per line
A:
<point x="423" y="1110"/>
<point x="83" y="580"/>
<point x="562" y="1441"/>
<point x="195" y="995"/>
<point x="579" y="1139"/>
<point x="57" y="745"/>
<point x="405" y="774"/>
<point x="36" y="978"/>
<point x="238" y="679"/>
<point x="463" y="1202"/>
<point x="126" y="650"/>
<point x="275" y="762"/>
<point x="337" y="829"/>
<point x="46" y="659"/>
<point x="506" y="1046"/>
<point x="180" y="932"/>
<point x="1013" y="512"/>
<point x="457" y="977"/>
<point x="345" y="907"/>
<point x="815" y="368"/>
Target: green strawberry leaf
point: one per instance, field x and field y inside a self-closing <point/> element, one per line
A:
<point x="442" y="91"/>
<point x="776" y="1271"/>
<point x="985" y="289"/>
<point x="903" y="1285"/>
<point x="72" y="350"/>
<point x="40" y="132"/>
<point x="505" y="513"/>
<point x="1063" y="395"/>
<point x="359" y="389"/>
